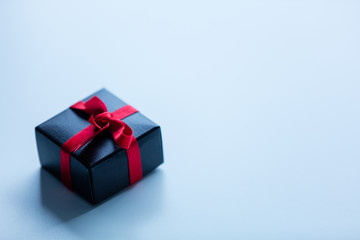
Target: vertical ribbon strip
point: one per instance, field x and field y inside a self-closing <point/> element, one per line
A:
<point x="102" y="120"/>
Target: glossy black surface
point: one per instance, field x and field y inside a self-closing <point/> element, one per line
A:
<point x="98" y="169"/>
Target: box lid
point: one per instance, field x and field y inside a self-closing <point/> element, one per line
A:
<point x="66" y="124"/>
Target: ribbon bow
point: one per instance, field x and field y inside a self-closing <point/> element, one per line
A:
<point x="102" y="120"/>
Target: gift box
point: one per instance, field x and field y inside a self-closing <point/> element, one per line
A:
<point x="99" y="146"/>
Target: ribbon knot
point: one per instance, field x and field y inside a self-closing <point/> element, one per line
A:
<point x="102" y="120"/>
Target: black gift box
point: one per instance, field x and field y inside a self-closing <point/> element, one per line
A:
<point x="100" y="168"/>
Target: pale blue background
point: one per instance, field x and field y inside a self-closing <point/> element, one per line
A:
<point x="258" y="102"/>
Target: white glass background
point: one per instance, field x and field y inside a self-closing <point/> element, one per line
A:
<point x="258" y="103"/>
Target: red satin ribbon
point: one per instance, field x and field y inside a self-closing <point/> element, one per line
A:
<point x="102" y="120"/>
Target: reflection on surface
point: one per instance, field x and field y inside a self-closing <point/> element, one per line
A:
<point x="129" y="207"/>
<point x="126" y="212"/>
<point x="55" y="197"/>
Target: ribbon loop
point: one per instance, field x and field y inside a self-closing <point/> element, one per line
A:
<point x="93" y="106"/>
<point x="122" y="133"/>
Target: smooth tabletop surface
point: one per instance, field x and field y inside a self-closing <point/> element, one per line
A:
<point x="258" y="103"/>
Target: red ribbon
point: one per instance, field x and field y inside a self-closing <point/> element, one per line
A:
<point x="102" y="120"/>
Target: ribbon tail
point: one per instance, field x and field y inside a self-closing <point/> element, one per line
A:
<point x="134" y="159"/>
